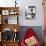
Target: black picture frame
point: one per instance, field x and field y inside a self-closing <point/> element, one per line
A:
<point x="30" y="13"/>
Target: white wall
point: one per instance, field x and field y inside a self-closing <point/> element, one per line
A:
<point x="38" y="21"/>
<point x="39" y="14"/>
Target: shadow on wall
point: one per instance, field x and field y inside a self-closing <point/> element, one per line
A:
<point x="37" y="29"/>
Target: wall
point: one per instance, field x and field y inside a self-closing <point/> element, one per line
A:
<point x="38" y="21"/>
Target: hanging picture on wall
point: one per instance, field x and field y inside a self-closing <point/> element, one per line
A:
<point x="30" y="12"/>
<point x="5" y="12"/>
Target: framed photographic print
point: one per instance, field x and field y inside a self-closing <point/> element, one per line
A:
<point x="30" y="12"/>
<point x="13" y="12"/>
<point x="5" y="12"/>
